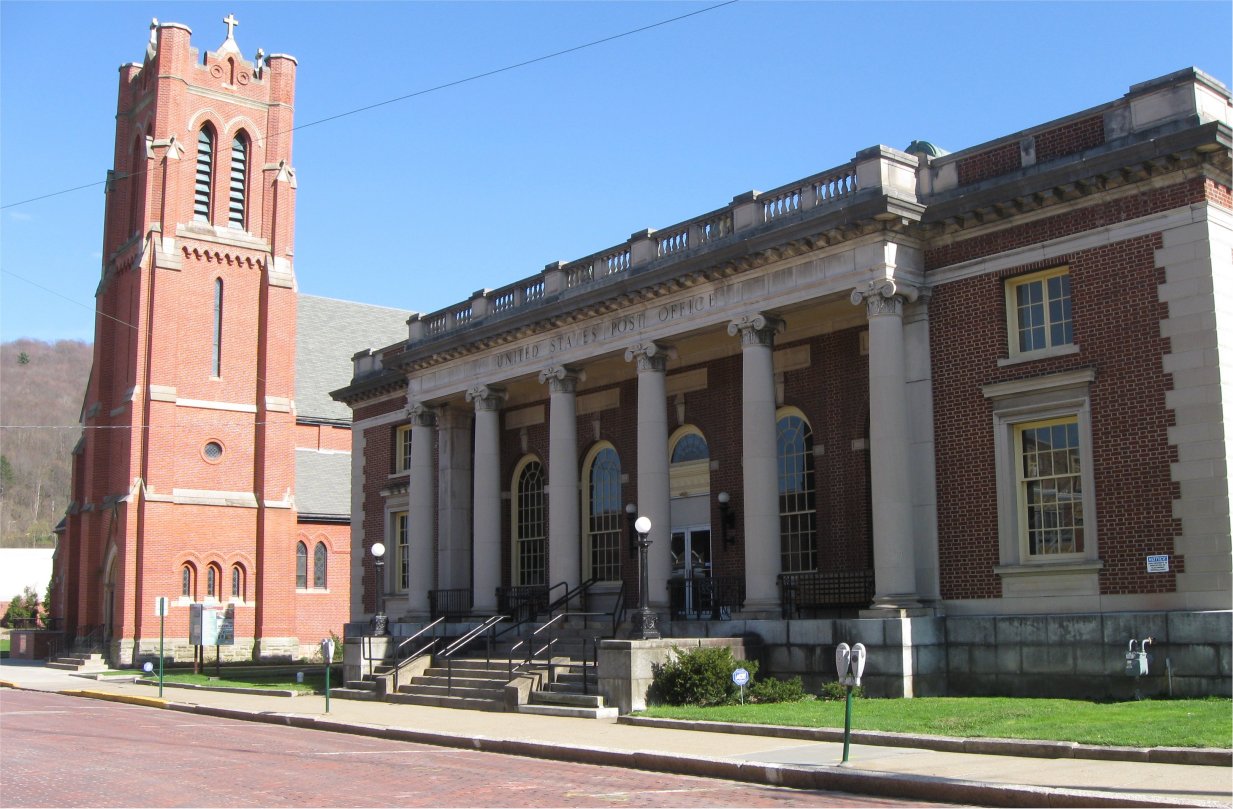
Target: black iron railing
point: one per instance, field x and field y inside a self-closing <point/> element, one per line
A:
<point x="706" y="599"/>
<point x="450" y="603"/>
<point x="805" y="593"/>
<point x="523" y="602"/>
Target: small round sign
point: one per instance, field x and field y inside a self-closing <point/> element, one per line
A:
<point x="740" y="677"/>
<point x="147" y="667"/>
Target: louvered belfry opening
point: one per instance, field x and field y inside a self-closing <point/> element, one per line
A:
<point x="239" y="174"/>
<point x="205" y="174"/>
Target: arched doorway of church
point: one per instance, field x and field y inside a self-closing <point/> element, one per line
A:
<point x="109" y="597"/>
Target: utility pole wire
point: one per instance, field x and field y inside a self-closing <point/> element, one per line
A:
<point x="415" y="94"/>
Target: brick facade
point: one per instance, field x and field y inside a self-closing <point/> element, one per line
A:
<point x="182" y="466"/>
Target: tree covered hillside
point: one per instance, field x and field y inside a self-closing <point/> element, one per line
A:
<point x="41" y="390"/>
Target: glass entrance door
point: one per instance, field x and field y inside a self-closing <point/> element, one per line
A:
<point x="691" y="562"/>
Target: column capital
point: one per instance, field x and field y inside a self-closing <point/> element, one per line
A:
<point x="486" y="398"/>
<point x="757" y="329"/>
<point x="422" y="415"/>
<point x="651" y="356"/>
<point x="884" y="297"/>
<point x="561" y="378"/>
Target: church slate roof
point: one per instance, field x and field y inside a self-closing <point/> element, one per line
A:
<point x="322" y="483"/>
<point x="328" y="333"/>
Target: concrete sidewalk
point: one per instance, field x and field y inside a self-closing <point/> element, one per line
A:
<point x="904" y="772"/>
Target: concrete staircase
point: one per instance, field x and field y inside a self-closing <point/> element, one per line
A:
<point x="84" y="663"/>
<point x="569" y="687"/>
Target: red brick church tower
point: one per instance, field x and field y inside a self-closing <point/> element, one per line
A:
<point x="185" y="480"/>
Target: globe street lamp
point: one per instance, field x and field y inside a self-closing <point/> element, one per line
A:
<point x="379" y="621"/>
<point x="646" y="623"/>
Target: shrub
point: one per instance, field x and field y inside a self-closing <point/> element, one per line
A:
<point x="22" y="608"/>
<point x="701" y="676"/>
<point x="836" y="692"/>
<point x="772" y="690"/>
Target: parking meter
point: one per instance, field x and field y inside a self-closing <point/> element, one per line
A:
<point x="850" y="663"/>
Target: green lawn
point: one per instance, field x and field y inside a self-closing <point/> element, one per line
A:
<point x="313" y="682"/>
<point x="1149" y="723"/>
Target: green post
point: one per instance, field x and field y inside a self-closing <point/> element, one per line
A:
<point x="327" y="686"/>
<point x="162" y="619"/>
<point x="847" y="724"/>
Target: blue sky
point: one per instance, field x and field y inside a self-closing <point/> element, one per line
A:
<point x="419" y="203"/>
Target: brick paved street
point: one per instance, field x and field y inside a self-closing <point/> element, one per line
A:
<point x="64" y="751"/>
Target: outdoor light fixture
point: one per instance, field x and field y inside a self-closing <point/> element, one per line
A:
<point x="646" y="623"/>
<point x="631" y="513"/>
<point x="727" y="519"/>
<point x="379" y="620"/>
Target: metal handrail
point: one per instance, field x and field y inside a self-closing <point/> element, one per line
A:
<point x="489" y="626"/>
<point x="533" y="652"/>
<point x="580" y="590"/>
<point x="400" y="662"/>
<point x="618" y="611"/>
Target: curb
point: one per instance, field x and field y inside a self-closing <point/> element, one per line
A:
<point x="1204" y="756"/>
<point x="822" y="777"/>
<point x="9" y="684"/>
<point x="224" y="689"/>
<point x="127" y="699"/>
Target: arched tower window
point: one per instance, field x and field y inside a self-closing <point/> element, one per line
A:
<point x="798" y="510"/>
<point x="301" y="566"/>
<point x="239" y="178"/>
<point x="205" y="174"/>
<point x="216" y="346"/>
<point x="602" y="513"/>
<point x="530" y="524"/>
<point x="319" y="562"/>
<point x="136" y="187"/>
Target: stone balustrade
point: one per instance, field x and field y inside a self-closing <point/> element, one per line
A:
<point x="753" y="209"/>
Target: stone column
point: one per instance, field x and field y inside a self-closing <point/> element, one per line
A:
<point x="759" y="460"/>
<point x="653" y="483"/>
<point x="422" y="508"/>
<point x="454" y="473"/>
<point x="564" y="543"/>
<point x="894" y="562"/>
<point x="486" y="510"/>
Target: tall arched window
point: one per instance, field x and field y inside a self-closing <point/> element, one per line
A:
<point x="301" y="566"/>
<point x="212" y="581"/>
<point x="136" y="187"/>
<point x="239" y="178"/>
<point x="319" y="561"/>
<point x="188" y="582"/>
<point x="530" y="524"/>
<point x="216" y="348"/>
<point x="205" y="174"/>
<point x="798" y="511"/>
<point x="602" y="512"/>
<point x="237" y="583"/>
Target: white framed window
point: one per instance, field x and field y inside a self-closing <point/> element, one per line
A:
<point x="402" y="449"/>
<point x="400" y="535"/>
<point x="1049" y="487"/>
<point x="1038" y="310"/>
<point x="1046" y="496"/>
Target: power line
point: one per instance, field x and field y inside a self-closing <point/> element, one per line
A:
<point x="417" y="93"/>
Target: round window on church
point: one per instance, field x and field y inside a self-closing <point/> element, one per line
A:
<point x="212" y="452"/>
